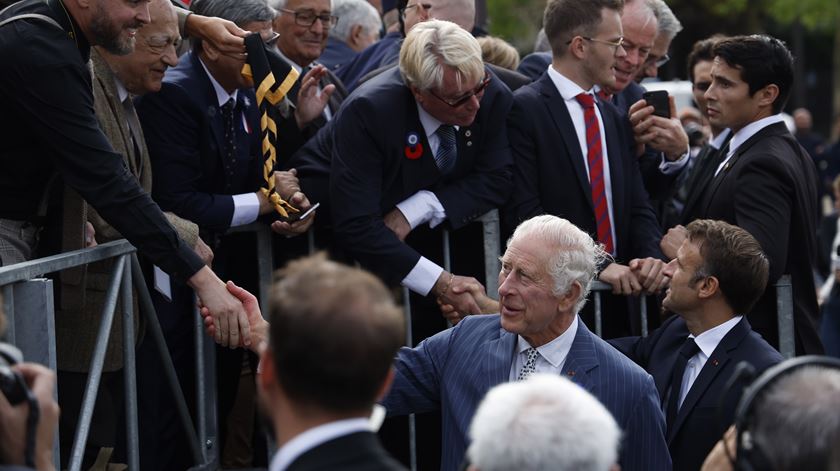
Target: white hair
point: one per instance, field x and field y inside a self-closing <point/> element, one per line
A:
<point x="669" y="25"/>
<point x="351" y="13"/>
<point x="460" y="12"/>
<point x="577" y="256"/>
<point x="432" y="45"/>
<point x="544" y="422"/>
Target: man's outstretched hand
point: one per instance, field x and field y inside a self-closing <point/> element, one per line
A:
<point x="258" y="325"/>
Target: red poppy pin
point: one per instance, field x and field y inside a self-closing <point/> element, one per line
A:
<point x="413" y="146"/>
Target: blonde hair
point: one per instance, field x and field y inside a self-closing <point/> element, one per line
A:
<point x="498" y="52"/>
<point x="432" y="45"/>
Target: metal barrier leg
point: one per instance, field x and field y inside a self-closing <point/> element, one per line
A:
<point x="784" y="310"/>
<point x="643" y="313"/>
<point x="98" y="360"/>
<point x="205" y="384"/>
<point x="492" y="250"/>
<point x="598" y="320"/>
<point x="154" y="333"/>
<point x="409" y="342"/>
<point x="9" y="309"/>
<point x="129" y="371"/>
<point x="265" y="260"/>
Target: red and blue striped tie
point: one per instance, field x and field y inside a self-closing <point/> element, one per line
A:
<point x="595" y="160"/>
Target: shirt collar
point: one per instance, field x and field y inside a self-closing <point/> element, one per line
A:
<point x="709" y="340"/>
<point x="315" y="436"/>
<point x="122" y="92"/>
<point x="717" y="141"/>
<point x="292" y="63"/>
<point x="556" y="351"/>
<point x="749" y="130"/>
<point x="568" y="89"/>
<point x="221" y="94"/>
<point x="430" y="123"/>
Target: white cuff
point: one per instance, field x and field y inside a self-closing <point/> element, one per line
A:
<point x="422" y="207"/>
<point x="246" y="209"/>
<point x="668" y="167"/>
<point x="422" y="278"/>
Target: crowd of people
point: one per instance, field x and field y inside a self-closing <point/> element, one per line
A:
<point x="144" y="121"/>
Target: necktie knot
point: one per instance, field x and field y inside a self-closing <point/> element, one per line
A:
<point x="604" y="96"/>
<point x="530" y="364"/>
<point x="227" y="108"/>
<point x="689" y="348"/>
<point x="586" y="100"/>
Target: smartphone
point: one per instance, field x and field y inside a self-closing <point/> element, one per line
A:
<point x="659" y="100"/>
<point x="296" y="218"/>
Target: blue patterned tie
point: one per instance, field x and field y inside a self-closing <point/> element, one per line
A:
<point x="447" y="153"/>
<point x="530" y="364"/>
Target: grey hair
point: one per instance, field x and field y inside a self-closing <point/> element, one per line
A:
<point x="669" y="25"/>
<point x="351" y="13"/>
<point x="541" y="44"/>
<point x="434" y="44"/>
<point x="276" y="4"/>
<point x="577" y="256"/>
<point x="544" y="422"/>
<point x="240" y="12"/>
<point x="797" y="423"/>
<point x="460" y="12"/>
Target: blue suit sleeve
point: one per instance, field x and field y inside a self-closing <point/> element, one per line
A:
<point x="644" y="446"/>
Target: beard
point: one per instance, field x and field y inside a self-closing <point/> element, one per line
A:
<point x="108" y="35"/>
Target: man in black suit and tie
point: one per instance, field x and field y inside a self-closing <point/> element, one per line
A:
<point x="422" y="143"/>
<point x="766" y="181"/>
<point x="719" y="273"/>
<point x="334" y="333"/>
<point x="572" y="158"/>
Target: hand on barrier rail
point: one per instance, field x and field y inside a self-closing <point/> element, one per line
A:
<point x="229" y="316"/>
<point x="396" y="221"/>
<point x="622" y="279"/>
<point x="259" y="326"/>
<point x="672" y="241"/>
<point x="650" y="272"/>
<point x="13" y="419"/>
<point x="90" y="235"/>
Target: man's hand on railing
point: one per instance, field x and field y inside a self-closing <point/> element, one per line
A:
<point x="90" y="235"/>
<point x="229" y="315"/>
<point x="259" y="326"/>
<point x="672" y="241"/>
<point x="13" y="419"/>
<point x="204" y="251"/>
<point x="650" y="272"/>
<point x="622" y="279"/>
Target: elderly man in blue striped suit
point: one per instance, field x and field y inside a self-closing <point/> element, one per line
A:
<point x="546" y="273"/>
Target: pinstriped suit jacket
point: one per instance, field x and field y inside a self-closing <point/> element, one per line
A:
<point x="453" y="370"/>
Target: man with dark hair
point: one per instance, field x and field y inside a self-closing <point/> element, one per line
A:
<point x="719" y="273"/>
<point x="766" y="182"/>
<point x="573" y="161"/>
<point x="334" y="333"/>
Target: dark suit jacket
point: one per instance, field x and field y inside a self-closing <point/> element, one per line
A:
<point x="185" y="134"/>
<point x="336" y="54"/>
<point x="534" y="64"/>
<point x="768" y="189"/>
<point x="360" y="451"/>
<point x="698" y="424"/>
<point x="383" y="52"/>
<point x="373" y="169"/>
<point x="550" y="172"/>
<point x="453" y="370"/>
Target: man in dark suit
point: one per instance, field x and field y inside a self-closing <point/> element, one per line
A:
<point x="334" y="333"/>
<point x="718" y="275"/>
<point x="357" y="29"/>
<point x="766" y="181"/>
<point x="414" y="147"/>
<point x="572" y="169"/>
<point x="546" y="273"/>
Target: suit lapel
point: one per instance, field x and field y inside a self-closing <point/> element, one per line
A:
<point x="566" y="128"/>
<point x="498" y="358"/>
<point x="581" y="359"/>
<point x="714" y="365"/>
<point x="212" y="111"/>
<point x="700" y="177"/>
<point x="109" y="86"/>
<point x="417" y="172"/>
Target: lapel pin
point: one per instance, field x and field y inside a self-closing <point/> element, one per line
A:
<point x="413" y="146"/>
<point x="715" y="362"/>
<point x="570" y="373"/>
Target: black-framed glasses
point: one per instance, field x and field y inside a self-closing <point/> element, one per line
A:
<point x="421" y="8"/>
<point x="477" y="91"/>
<point x="658" y="62"/>
<point x="307" y="18"/>
<point x="615" y="44"/>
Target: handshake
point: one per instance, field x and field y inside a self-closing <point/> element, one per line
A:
<point x="460" y="296"/>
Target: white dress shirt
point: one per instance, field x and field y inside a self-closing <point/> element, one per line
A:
<point x="246" y="206"/>
<point x="708" y="342"/>
<point x="314" y="437"/>
<point x="552" y="356"/>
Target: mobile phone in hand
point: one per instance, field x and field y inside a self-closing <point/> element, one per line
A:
<point x="306" y="214"/>
<point x="658" y="99"/>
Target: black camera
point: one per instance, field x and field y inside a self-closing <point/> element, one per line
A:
<point x="12" y="384"/>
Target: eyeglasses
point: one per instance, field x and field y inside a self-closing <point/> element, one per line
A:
<point x="615" y="44"/>
<point x="307" y="18"/>
<point x="658" y="62"/>
<point x="477" y="91"/>
<point x="421" y="8"/>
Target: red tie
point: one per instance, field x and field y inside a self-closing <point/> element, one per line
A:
<point x="595" y="160"/>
